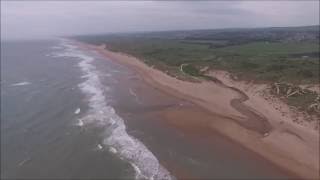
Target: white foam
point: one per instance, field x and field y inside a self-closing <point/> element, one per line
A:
<point x="100" y="113"/>
<point x="56" y="47"/>
<point x="113" y="150"/>
<point x="77" y="111"/>
<point x="107" y="75"/>
<point x="80" y="123"/>
<point x="99" y="146"/>
<point x="139" y="175"/>
<point x="21" y="83"/>
<point x="24" y="161"/>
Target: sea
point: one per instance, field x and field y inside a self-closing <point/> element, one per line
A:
<point x="69" y="113"/>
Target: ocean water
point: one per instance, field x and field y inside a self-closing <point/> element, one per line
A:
<point x="56" y="120"/>
<point x="70" y="113"/>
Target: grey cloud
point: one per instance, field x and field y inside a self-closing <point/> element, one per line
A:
<point x="35" y="19"/>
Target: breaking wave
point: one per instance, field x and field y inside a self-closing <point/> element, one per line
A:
<point x="116" y="139"/>
<point x="21" y="83"/>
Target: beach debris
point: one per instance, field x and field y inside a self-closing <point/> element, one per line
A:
<point x="290" y="91"/>
<point x="315" y="106"/>
<point x="276" y="85"/>
<point x="287" y="89"/>
<point x="291" y="94"/>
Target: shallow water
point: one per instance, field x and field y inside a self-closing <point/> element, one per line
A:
<point x="70" y="113"/>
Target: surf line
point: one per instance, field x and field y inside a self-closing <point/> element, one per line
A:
<point x="100" y="113"/>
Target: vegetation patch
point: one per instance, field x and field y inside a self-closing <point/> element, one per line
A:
<point x="304" y="99"/>
<point x="191" y="70"/>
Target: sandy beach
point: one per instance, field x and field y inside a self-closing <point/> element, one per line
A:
<point x="237" y="113"/>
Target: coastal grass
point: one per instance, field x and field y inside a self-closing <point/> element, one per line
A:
<point x="302" y="102"/>
<point x="191" y="70"/>
<point x="289" y="62"/>
<point x="273" y="49"/>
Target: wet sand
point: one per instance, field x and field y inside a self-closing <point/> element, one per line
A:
<point x="230" y="118"/>
<point x="187" y="148"/>
<point x="255" y="121"/>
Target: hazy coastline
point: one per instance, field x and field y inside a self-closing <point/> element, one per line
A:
<point x="160" y="90"/>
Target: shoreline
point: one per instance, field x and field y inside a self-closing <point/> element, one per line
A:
<point x="280" y="144"/>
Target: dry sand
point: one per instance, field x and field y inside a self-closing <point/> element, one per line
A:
<point x="288" y="145"/>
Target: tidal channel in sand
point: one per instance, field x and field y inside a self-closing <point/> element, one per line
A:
<point x="178" y="133"/>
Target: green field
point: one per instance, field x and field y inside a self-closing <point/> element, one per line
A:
<point x="271" y="49"/>
<point x="260" y="61"/>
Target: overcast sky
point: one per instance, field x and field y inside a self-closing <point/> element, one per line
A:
<point x="34" y="19"/>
